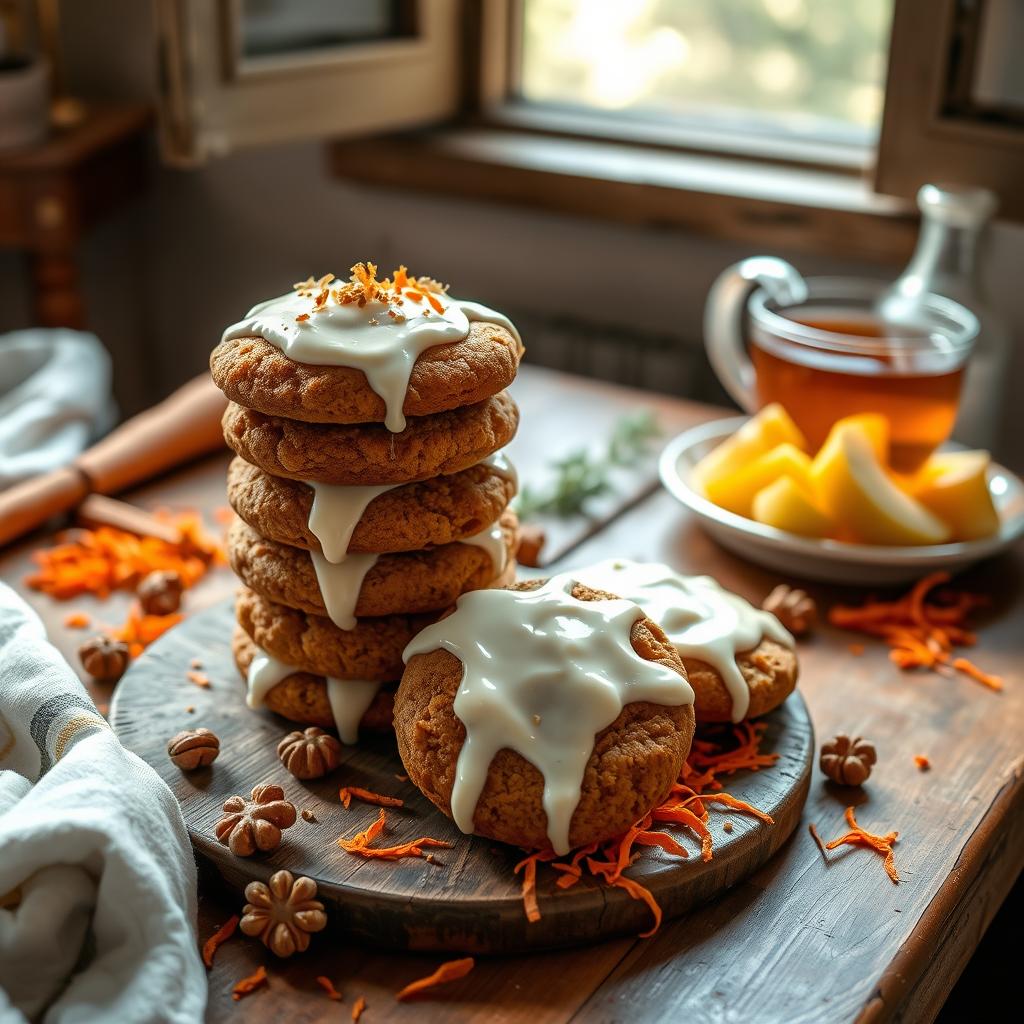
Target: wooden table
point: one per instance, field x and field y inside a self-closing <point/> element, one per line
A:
<point x="802" y="939"/>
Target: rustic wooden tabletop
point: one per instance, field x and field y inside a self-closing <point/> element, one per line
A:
<point x="802" y="939"/>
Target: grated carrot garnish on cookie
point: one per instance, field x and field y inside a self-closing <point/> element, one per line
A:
<point x="880" y="844"/>
<point x="359" y="845"/>
<point x="249" y="984"/>
<point x="452" y="970"/>
<point x="328" y="986"/>
<point x="221" y="935"/>
<point x="106" y="559"/>
<point x="921" y="633"/>
<point x="357" y="1008"/>
<point x="348" y="793"/>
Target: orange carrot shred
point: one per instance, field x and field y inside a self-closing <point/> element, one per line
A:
<point x="77" y="620"/>
<point x="360" y="844"/>
<point x="922" y="762"/>
<point x="817" y="838"/>
<point x="199" y="678"/>
<point x="357" y="1008"/>
<point x="451" y="970"/>
<point x="921" y="633"/>
<point x="367" y="796"/>
<point x="328" y="986"/>
<point x="250" y="983"/>
<point x="529" y="868"/>
<point x="880" y="844"/>
<point x="221" y="935"/>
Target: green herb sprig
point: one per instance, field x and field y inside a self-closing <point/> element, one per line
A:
<point x="581" y="475"/>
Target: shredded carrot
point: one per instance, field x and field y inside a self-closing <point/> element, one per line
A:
<point x="921" y="633"/>
<point x="140" y="630"/>
<point x="359" y="844"/>
<point x="250" y="984"/>
<point x="635" y="889"/>
<point x="199" y="678"/>
<point x="357" y="1008"/>
<point x="328" y="986"/>
<point x="529" y="868"/>
<point x="107" y="559"/>
<point x="922" y="762"/>
<point x="880" y="844"/>
<point x="970" y="669"/>
<point x="222" y="934"/>
<point x="367" y="796"/>
<point x="77" y="620"/>
<point x="452" y="970"/>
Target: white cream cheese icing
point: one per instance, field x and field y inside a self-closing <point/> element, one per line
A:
<point x="349" y="698"/>
<point x="703" y="621"/>
<point x="492" y="541"/>
<point x="382" y="333"/>
<point x="336" y="510"/>
<point x="340" y="583"/>
<point x="502" y="465"/>
<point x="543" y="674"/>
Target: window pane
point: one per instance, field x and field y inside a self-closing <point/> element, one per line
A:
<point x="808" y="67"/>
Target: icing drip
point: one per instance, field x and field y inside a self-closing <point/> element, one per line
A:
<point x="543" y="673"/>
<point x="365" y="337"/>
<point x="501" y="465"/>
<point x="701" y="619"/>
<point x="492" y="541"/>
<point x="349" y="698"/>
<point x="340" y="583"/>
<point x="335" y="513"/>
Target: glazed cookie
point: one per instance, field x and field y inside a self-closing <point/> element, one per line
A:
<point x="740" y="660"/>
<point x="369" y="453"/>
<point x="409" y="517"/>
<point x="258" y="375"/>
<point x="366" y="585"/>
<point x="373" y="650"/>
<point x="634" y="761"/>
<point x="302" y="696"/>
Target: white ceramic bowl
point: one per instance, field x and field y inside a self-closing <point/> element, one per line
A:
<point x="830" y="561"/>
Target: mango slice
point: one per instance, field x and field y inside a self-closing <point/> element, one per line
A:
<point x="771" y="427"/>
<point x="852" y="486"/>
<point x="786" y="505"/>
<point x="954" y="485"/>
<point x="736" y="491"/>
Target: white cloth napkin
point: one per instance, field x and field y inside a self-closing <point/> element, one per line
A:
<point x="54" y="399"/>
<point x="97" y="877"/>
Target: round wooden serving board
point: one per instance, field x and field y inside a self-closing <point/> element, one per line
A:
<point x="468" y="899"/>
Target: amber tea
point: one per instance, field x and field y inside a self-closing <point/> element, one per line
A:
<point x="911" y="377"/>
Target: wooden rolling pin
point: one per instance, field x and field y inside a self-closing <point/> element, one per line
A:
<point x="182" y="427"/>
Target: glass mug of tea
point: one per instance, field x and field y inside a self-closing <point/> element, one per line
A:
<point x="830" y="347"/>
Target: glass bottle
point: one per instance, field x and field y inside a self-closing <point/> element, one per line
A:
<point x="945" y="262"/>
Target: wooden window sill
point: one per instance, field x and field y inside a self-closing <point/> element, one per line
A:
<point x="767" y="205"/>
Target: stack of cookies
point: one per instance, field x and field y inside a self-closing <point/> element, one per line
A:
<point x="368" y="419"/>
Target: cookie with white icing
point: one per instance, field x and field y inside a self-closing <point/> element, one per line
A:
<point x="544" y="715"/>
<point x="304" y="697"/>
<point x="367" y="585"/>
<point x="369" y="453"/>
<point x="740" y="660"/>
<point x="362" y="520"/>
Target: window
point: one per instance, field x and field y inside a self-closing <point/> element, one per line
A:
<point x="810" y="69"/>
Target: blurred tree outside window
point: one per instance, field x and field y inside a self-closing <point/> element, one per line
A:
<point x="812" y="69"/>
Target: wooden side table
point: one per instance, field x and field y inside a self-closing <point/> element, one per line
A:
<point x="51" y="194"/>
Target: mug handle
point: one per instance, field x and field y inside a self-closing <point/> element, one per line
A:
<point x="724" y="314"/>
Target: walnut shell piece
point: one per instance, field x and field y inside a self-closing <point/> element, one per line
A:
<point x="794" y="608"/>
<point x="104" y="659"/>
<point x="256" y="823"/>
<point x="847" y="762"/>
<point x="193" y="748"/>
<point x="283" y="913"/>
<point x="160" y="592"/>
<point x="310" y="754"/>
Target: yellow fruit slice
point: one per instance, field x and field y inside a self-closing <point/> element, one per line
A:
<point x="954" y="485"/>
<point x="771" y="427"/>
<point x="786" y="505"/>
<point x="855" y="491"/>
<point x="736" y="491"/>
<point x="875" y="428"/>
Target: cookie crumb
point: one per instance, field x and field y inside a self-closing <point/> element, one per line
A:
<point x="308" y="815"/>
<point x="727" y="826"/>
<point x="191" y="709"/>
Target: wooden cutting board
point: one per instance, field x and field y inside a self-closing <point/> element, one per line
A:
<point x="468" y="899"/>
